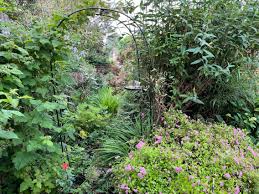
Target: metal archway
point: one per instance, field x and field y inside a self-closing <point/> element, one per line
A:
<point x="106" y="13"/>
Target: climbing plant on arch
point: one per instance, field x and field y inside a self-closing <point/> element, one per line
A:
<point x="147" y="88"/>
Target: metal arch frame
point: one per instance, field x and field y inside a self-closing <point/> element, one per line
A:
<point x="105" y="12"/>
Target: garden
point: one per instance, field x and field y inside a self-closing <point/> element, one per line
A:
<point x="129" y="96"/>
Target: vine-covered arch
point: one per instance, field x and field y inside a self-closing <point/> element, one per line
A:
<point x="106" y="12"/>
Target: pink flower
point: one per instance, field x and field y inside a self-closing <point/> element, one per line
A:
<point x="124" y="187"/>
<point x="193" y="184"/>
<point x="240" y="174"/>
<point x="141" y="176"/>
<point x="140" y="145"/>
<point x="208" y="177"/>
<point x="135" y="190"/>
<point x="191" y="177"/>
<point x="252" y="151"/>
<point x="178" y="169"/>
<point x="129" y="168"/>
<point x="227" y="176"/>
<point x="142" y="115"/>
<point x="221" y="184"/>
<point x="224" y="167"/>
<point x="237" y="190"/>
<point x="242" y="154"/>
<point x="143" y="171"/>
<point x="158" y="139"/>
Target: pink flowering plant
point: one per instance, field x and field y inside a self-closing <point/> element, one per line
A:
<point x="192" y="157"/>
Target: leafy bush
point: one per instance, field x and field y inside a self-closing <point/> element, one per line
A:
<point x="204" y="48"/>
<point x="189" y="156"/>
<point x="31" y="156"/>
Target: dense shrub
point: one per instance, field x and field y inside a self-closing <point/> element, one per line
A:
<point x="207" y="51"/>
<point x="189" y="156"/>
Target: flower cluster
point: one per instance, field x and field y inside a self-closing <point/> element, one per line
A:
<point x="142" y="172"/>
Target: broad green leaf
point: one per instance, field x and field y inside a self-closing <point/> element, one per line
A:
<point x="26" y="184"/>
<point x="56" y="43"/>
<point x="23" y="159"/>
<point x="22" y="51"/>
<point x="7" y="135"/>
<point x="34" y="145"/>
<point x="7" y="55"/>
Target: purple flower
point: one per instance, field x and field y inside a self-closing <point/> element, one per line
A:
<point x="129" y="168"/>
<point x="142" y="115"/>
<point x="242" y="154"/>
<point x="74" y="49"/>
<point x="162" y="119"/>
<point x="178" y="169"/>
<point x="191" y="177"/>
<point x="227" y="176"/>
<point x="140" y="175"/>
<point x="221" y="184"/>
<point x="143" y="171"/>
<point x="158" y="139"/>
<point x="135" y="190"/>
<point x="240" y="174"/>
<point x="124" y="187"/>
<point x="237" y="190"/>
<point x="140" y="145"/>
<point x="208" y="177"/>
<point x="252" y="151"/>
<point x="224" y="167"/>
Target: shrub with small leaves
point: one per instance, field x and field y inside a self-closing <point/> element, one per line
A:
<point x="189" y="156"/>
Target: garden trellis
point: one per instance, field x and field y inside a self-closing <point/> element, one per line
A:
<point x="107" y="12"/>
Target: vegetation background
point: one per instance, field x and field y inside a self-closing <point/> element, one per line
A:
<point x="67" y="124"/>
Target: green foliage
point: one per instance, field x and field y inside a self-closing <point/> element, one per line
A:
<point x="190" y="157"/>
<point x="6" y="6"/>
<point x="97" y="112"/>
<point x="33" y="156"/>
<point x="108" y="100"/>
<point x="207" y="45"/>
<point x="246" y="117"/>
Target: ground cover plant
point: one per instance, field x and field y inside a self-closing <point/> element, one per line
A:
<point x="189" y="156"/>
